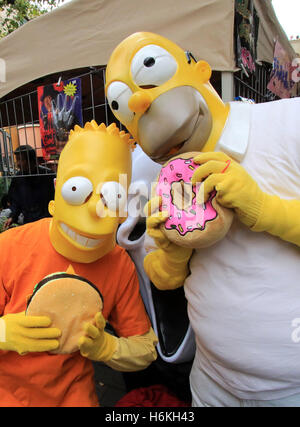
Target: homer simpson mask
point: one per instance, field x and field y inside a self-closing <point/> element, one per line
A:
<point x="164" y="97"/>
<point x="93" y="176"/>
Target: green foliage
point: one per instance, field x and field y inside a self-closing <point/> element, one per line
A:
<point x="2" y="222"/>
<point x="4" y="185"/>
<point x="14" y="13"/>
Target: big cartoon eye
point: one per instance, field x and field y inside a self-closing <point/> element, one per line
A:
<point x="113" y="196"/>
<point x="118" y="95"/>
<point x="76" y="190"/>
<point x="152" y="66"/>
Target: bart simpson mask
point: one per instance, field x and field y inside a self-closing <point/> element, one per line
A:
<point x="93" y="176"/>
<point x="163" y="97"/>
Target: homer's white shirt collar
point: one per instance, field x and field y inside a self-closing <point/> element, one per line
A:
<point x="235" y="137"/>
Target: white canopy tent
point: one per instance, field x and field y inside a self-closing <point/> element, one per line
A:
<point x="83" y="33"/>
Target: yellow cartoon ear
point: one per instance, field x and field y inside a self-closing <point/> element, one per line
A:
<point x="51" y="207"/>
<point x="204" y="71"/>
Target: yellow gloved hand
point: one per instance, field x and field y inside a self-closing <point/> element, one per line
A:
<point x="167" y="267"/>
<point x="26" y="334"/>
<point x="280" y="218"/>
<point x="236" y="189"/>
<point x="134" y="353"/>
<point x="96" y="344"/>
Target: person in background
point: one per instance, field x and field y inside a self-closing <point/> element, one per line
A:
<point x="31" y="189"/>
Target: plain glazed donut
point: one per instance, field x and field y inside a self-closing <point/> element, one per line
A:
<point x="190" y="224"/>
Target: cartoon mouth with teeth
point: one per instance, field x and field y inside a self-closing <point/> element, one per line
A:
<point x="79" y="239"/>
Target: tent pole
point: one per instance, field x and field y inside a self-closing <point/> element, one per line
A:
<point x="228" y="91"/>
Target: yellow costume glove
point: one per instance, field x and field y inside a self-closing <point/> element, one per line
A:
<point x="25" y="334"/>
<point x="123" y="354"/>
<point x="236" y="189"/>
<point x="281" y="218"/>
<point x="134" y="353"/>
<point x="167" y="267"/>
<point x="97" y="344"/>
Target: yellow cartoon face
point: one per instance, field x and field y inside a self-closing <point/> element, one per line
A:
<point x="162" y="96"/>
<point x="93" y="176"/>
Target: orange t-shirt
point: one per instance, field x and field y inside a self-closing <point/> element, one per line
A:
<point x="42" y="379"/>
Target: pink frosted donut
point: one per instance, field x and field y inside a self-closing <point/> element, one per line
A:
<point x="190" y="223"/>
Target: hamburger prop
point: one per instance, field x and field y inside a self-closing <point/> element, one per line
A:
<point x="70" y="301"/>
<point x="191" y="223"/>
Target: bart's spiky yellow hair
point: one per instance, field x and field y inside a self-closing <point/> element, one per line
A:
<point x="111" y="130"/>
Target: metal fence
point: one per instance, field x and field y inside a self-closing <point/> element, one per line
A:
<point x="254" y="86"/>
<point x="19" y="119"/>
<point x="19" y="115"/>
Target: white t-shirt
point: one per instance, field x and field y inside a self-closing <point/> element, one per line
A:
<point x="244" y="292"/>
